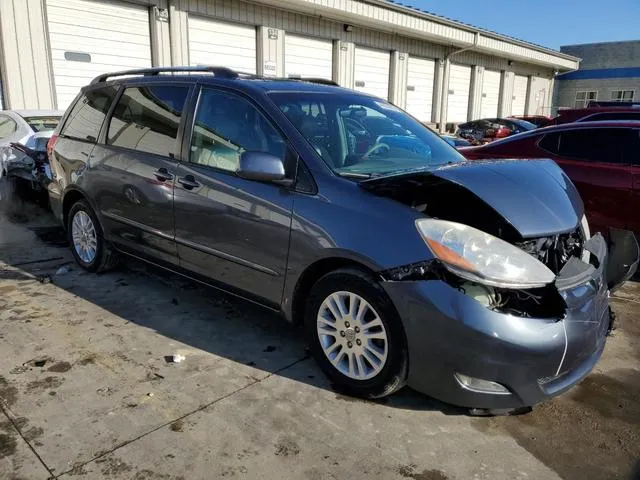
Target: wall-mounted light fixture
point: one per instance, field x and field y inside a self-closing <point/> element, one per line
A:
<point x="348" y="28"/>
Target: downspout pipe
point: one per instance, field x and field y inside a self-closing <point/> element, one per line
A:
<point x="445" y="88"/>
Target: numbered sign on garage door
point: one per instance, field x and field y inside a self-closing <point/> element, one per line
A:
<point x="420" y="77"/>
<point x="520" y="83"/>
<point x="308" y="57"/>
<point x="90" y="37"/>
<point x="458" y="97"/>
<point x="490" y="94"/>
<point x="225" y="44"/>
<point x="372" y="71"/>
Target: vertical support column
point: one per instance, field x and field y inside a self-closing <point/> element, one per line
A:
<point x="475" y="93"/>
<point x="438" y="86"/>
<point x="270" y="53"/>
<point x="530" y="103"/>
<point x="398" y="77"/>
<point x="444" y="99"/>
<point x="506" y="93"/>
<point x="344" y="56"/>
<point x="160" y="37"/>
<point x="179" y="32"/>
<point x="553" y="97"/>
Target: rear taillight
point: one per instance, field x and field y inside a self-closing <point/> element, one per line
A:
<point x="51" y="145"/>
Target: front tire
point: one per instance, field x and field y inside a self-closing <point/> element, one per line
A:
<point x="356" y="335"/>
<point x="86" y="239"/>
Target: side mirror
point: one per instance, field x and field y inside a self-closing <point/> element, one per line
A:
<point x="262" y="167"/>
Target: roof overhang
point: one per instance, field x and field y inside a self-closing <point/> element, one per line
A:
<point x="406" y="21"/>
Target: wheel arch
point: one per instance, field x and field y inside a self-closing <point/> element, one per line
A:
<point x="312" y="274"/>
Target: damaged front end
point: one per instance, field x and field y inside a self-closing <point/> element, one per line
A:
<point x="512" y="305"/>
<point x="531" y="206"/>
<point x="27" y="164"/>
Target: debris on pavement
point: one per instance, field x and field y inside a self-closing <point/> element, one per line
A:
<point x="62" y="270"/>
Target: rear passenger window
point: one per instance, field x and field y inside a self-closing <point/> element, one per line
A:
<point x="591" y="144"/>
<point x="147" y="119"/>
<point x="88" y="113"/>
<point x="550" y="142"/>
<point x="7" y="126"/>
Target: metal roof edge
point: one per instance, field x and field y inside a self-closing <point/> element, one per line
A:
<point x="470" y="28"/>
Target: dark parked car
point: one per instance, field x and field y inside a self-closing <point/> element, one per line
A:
<point x="488" y="129"/>
<point x="599" y="111"/>
<point x="601" y="158"/>
<point x="537" y="120"/>
<point x="469" y="281"/>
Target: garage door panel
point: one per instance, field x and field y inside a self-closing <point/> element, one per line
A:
<point x="114" y="34"/>
<point x="372" y="71"/>
<point x="420" y="78"/>
<point x="490" y="94"/>
<point x="458" y="93"/>
<point x="520" y="83"/>
<point x="309" y="57"/>
<point x="212" y="42"/>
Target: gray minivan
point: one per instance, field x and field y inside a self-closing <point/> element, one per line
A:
<point x="477" y="283"/>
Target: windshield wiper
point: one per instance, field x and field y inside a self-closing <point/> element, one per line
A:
<point x="354" y="174"/>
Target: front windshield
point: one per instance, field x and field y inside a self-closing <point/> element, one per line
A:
<point x="358" y="135"/>
<point x="524" y="124"/>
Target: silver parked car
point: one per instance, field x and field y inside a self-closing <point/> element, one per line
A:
<point x="24" y="135"/>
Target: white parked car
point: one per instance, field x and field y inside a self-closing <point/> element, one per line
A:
<point x="23" y="144"/>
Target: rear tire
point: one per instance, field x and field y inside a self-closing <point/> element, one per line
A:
<point x="355" y="334"/>
<point x="86" y="239"/>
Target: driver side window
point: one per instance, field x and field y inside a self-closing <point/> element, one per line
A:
<point x="7" y="126"/>
<point x="227" y="125"/>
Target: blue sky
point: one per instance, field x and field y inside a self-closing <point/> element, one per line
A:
<point x="546" y="22"/>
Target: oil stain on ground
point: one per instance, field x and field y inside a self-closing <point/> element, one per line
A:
<point x="8" y="393"/>
<point x="47" y="383"/>
<point x="411" y="471"/>
<point x="590" y="433"/>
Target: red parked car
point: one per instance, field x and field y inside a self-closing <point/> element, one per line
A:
<point x="599" y="112"/>
<point x="601" y="158"/>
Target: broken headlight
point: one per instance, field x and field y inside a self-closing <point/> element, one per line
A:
<point x="477" y="256"/>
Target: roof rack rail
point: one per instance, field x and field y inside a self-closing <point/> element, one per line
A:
<point x="322" y="81"/>
<point x="222" y="72"/>
<point x="612" y="103"/>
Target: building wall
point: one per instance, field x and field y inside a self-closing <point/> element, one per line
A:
<point x="605" y="55"/>
<point x="567" y="89"/>
<point x="605" y="67"/>
<point x="27" y="77"/>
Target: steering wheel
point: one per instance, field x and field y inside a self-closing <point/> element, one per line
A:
<point x="377" y="146"/>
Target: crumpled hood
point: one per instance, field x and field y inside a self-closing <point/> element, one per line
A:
<point x="535" y="196"/>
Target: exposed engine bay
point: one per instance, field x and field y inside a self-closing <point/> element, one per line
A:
<point x="443" y="199"/>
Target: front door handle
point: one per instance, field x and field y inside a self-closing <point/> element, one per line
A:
<point x="188" y="182"/>
<point x="163" y="174"/>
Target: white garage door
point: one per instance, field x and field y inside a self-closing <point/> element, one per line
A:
<point x="490" y="94"/>
<point x="223" y="44"/>
<point x="519" y="95"/>
<point x="420" y="77"/>
<point x="308" y="57"/>
<point x="371" y="72"/>
<point x="89" y="38"/>
<point x="458" y="98"/>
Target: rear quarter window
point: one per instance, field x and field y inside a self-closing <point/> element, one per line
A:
<point x="88" y="113"/>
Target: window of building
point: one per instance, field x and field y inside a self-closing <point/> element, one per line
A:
<point x="622" y="95"/>
<point x="583" y="98"/>
<point x="147" y="119"/>
<point x="226" y="126"/>
<point x="7" y="126"/>
<point x="88" y="114"/>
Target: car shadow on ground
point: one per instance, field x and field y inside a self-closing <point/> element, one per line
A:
<point x="182" y="310"/>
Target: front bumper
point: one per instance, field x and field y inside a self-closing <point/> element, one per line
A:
<point x="535" y="359"/>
